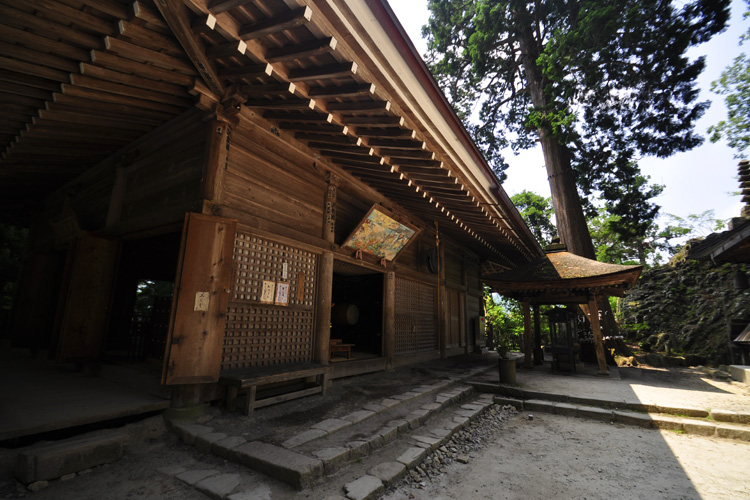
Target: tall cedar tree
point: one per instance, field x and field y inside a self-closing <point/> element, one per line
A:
<point x="597" y="83"/>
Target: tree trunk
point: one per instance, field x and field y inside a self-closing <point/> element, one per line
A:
<point x="571" y="223"/>
<point x="570" y="220"/>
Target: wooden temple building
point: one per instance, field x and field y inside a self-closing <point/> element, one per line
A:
<point x="214" y="186"/>
<point x="217" y="186"/>
<point x="563" y="278"/>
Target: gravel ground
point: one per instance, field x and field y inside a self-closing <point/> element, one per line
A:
<point x="508" y="455"/>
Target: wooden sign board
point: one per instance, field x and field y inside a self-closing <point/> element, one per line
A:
<point x="380" y="234"/>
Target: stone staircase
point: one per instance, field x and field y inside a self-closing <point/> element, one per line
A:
<point x="689" y="420"/>
<point x="359" y="454"/>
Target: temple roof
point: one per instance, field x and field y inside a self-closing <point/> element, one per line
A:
<point x="562" y="277"/>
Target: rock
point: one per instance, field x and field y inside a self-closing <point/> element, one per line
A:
<point x="37" y="486"/>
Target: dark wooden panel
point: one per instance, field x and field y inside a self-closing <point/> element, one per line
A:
<point x="196" y="332"/>
<point x="85" y="318"/>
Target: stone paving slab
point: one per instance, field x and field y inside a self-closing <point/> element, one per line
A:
<point x="303" y="437"/>
<point x="204" y="441"/>
<point x="359" y="416"/>
<point x="219" y="486"/>
<point x="193" y="477"/>
<point x="331" y="424"/>
<point x="411" y="456"/>
<point x="285" y="465"/>
<point x="364" y="488"/>
<point x="188" y="432"/>
<point x="388" y="471"/>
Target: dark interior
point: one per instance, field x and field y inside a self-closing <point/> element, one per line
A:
<point x="357" y="312"/>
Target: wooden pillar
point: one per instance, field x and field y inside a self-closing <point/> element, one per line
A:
<point x="321" y="352"/>
<point x="597" y="331"/>
<point x="538" y="352"/>
<point x="443" y="313"/>
<point x="389" y="319"/>
<point x="528" y="341"/>
<point x="329" y="210"/>
<point x="216" y="161"/>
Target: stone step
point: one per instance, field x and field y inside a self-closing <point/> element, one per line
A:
<point x="681" y="411"/>
<point x="360" y="472"/>
<point x="51" y="460"/>
<point x="723" y="424"/>
<point x="331" y="444"/>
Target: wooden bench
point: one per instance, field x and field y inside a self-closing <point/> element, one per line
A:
<point x="335" y="345"/>
<point x="250" y="379"/>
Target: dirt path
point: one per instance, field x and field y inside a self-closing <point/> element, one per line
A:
<point x="553" y="456"/>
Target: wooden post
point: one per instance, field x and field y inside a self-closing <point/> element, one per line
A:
<point x="321" y="349"/>
<point x="597" y="331"/>
<point x="216" y="161"/>
<point x="389" y="319"/>
<point x="538" y="352"/>
<point x="443" y="313"/>
<point x="528" y="341"/>
<point x="329" y="210"/>
<point x="321" y="352"/>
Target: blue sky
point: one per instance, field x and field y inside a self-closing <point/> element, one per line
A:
<point x="696" y="181"/>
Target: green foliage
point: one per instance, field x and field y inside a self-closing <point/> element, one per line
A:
<point x="608" y="80"/>
<point x="537" y="211"/>
<point x="734" y="84"/>
<point x="645" y="246"/>
<point x="697" y="225"/>
<point x="506" y="318"/>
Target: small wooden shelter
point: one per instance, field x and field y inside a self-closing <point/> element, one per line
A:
<point x="561" y="277"/>
<point x="250" y="164"/>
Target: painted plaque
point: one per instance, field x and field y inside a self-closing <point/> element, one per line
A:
<point x="282" y="294"/>
<point x="267" y="293"/>
<point x="381" y="235"/>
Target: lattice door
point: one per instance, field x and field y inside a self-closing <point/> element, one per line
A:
<point x="263" y="334"/>
<point x="416" y="317"/>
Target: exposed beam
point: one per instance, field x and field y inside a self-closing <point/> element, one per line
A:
<point x="265" y="89"/>
<point x="373" y="121"/>
<point x="308" y="49"/>
<point x="396" y="143"/>
<point x="281" y="103"/>
<point x="385" y="132"/>
<point x="224" y="50"/>
<point x="363" y="106"/>
<point x="323" y="72"/>
<point x="328" y="139"/>
<point x="219" y="6"/>
<point x="249" y="71"/>
<point x="396" y="154"/>
<point x="176" y="15"/>
<point x="318" y="128"/>
<point x="275" y="24"/>
<point x="297" y="116"/>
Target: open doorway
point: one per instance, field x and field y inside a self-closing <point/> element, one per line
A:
<point x="143" y="299"/>
<point x="356" y="313"/>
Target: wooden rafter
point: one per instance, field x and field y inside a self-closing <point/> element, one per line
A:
<point x="336" y="70"/>
<point x="219" y="6"/>
<point x="281" y="104"/>
<point x="373" y="121"/>
<point x="246" y="71"/>
<point x="275" y="24"/>
<point x="357" y="89"/>
<point x="176" y="15"/>
<point x="377" y="142"/>
<point x="298" y="116"/>
<point x="316" y="47"/>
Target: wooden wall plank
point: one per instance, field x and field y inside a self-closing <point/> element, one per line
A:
<point x="196" y="333"/>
